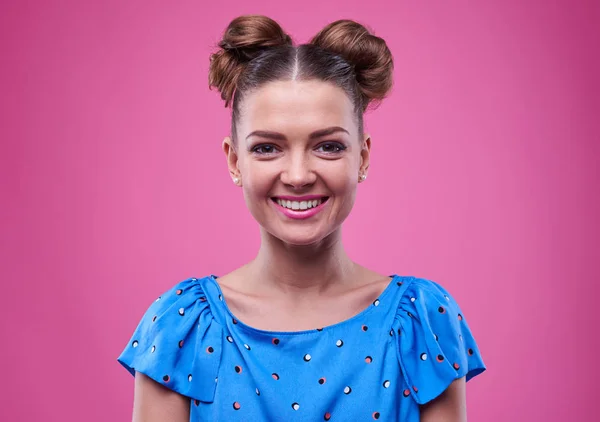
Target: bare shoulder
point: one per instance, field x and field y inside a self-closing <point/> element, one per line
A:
<point x="153" y="402"/>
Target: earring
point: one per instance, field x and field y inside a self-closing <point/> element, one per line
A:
<point x="363" y="177"/>
<point x="236" y="180"/>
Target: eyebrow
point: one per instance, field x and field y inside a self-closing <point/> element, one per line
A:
<point x="281" y="137"/>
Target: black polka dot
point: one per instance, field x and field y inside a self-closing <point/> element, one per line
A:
<point x="238" y="369"/>
<point x="154" y="318"/>
<point x="470" y="351"/>
<point x="166" y="378"/>
<point x="365" y="328"/>
<point x="441" y="310"/>
<point x="399" y="283"/>
<point x="322" y="381"/>
<point x="375" y="415"/>
<point x="210" y="349"/>
<point x="275" y="341"/>
<point x="440" y="358"/>
<point x="319" y="329"/>
<point x="196" y="402"/>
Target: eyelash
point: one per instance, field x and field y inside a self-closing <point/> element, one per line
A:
<point x="339" y="148"/>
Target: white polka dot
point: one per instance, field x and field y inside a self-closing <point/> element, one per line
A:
<point x="181" y="311"/>
<point x="157" y="299"/>
<point x="135" y="344"/>
<point x="295" y="406"/>
<point x="412" y="299"/>
<point x="246" y="346"/>
<point x="190" y="377"/>
<point x="376" y="303"/>
<point x="153" y="349"/>
<point x="347" y="390"/>
<point x="307" y="357"/>
<point x="423" y="356"/>
<point x="339" y="343"/>
<point x="447" y="298"/>
<point x="216" y="379"/>
<point x="230" y="339"/>
<point x="257" y="392"/>
<point x="220" y="297"/>
<point x="386" y="384"/>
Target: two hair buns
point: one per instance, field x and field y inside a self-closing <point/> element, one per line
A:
<point x="247" y="36"/>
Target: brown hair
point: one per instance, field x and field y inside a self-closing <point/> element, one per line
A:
<point x="255" y="50"/>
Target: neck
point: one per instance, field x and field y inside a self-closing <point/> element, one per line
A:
<point x="314" y="267"/>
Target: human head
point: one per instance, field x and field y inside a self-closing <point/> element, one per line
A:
<point x="255" y="50"/>
<point x="344" y="58"/>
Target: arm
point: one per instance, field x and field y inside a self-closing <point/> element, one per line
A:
<point x="154" y="403"/>
<point x="450" y="406"/>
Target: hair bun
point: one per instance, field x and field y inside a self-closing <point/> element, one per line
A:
<point x="244" y="39"/>
<point x="369" y="54"/>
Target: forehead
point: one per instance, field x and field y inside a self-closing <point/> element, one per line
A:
<point x="296" y="108"/>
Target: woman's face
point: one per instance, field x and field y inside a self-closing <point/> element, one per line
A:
<point x="298" y="157"/>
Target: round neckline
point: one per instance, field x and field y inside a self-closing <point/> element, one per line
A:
<point x="361" y="314"/>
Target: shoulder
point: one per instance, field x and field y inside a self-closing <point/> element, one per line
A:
<point x="435" y="343"/>
<point x="176" y="342"/>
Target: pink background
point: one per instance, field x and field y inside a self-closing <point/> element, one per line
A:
<point x="114" y="186"/>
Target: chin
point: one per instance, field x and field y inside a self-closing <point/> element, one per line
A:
<point x="299" y="236"/>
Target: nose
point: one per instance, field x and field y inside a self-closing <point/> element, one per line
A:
<point x="297" y="172"/>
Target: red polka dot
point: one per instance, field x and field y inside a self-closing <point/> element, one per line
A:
<point x="415" y="388"/>
<point x="456" y="366"/>
<point x="275" y="376"/>
<point x="236" y="405"/>
<point x="459" y="317"/>
<point x="327" y="416"/>
<point x="180" y="343"/>
<point x="368" y="359"/>
<point x="406" y="393"/>
<point x="202" y="299"/>
<point x="179" y="291"/>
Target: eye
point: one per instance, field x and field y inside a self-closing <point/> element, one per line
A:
<point x="331" y="147"/>
<point x="264" y="149"/>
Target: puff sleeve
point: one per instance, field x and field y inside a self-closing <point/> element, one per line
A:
<point x="435" y="344"/>
<point x="177" y="343"/>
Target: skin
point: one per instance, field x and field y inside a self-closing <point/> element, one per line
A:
<point x="296" y="138"/>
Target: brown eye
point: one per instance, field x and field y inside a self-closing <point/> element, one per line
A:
<point x="264" y="149"/>
<point x="331" y="147"/>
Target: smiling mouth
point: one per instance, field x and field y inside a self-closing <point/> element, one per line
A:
<point x="300" y="205"/>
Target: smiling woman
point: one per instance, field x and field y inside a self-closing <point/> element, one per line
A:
<point x="301" y="332"/>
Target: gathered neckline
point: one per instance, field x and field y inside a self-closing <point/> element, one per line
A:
<point x="361" y="314"/>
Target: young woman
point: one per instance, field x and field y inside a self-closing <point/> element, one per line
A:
<point x="301" y="333"/>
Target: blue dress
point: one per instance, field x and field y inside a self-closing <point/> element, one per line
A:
<point x="402" y="351"/>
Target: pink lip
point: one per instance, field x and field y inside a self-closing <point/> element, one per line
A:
<point x="300" y="198"/>
<point x="300" y="214"/>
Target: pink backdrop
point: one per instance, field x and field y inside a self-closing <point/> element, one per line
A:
<point x="114" y="186"/>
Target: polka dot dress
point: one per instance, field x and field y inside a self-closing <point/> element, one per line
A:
<point x="402" y="351"/>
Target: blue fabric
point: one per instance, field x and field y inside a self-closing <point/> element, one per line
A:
<point x="402" y="351"/>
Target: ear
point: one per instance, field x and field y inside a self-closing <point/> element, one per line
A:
<point x="232" y="160"/>
<point x="365" y="154"/>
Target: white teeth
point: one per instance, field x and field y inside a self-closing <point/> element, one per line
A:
<point x="299" y="205"/>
